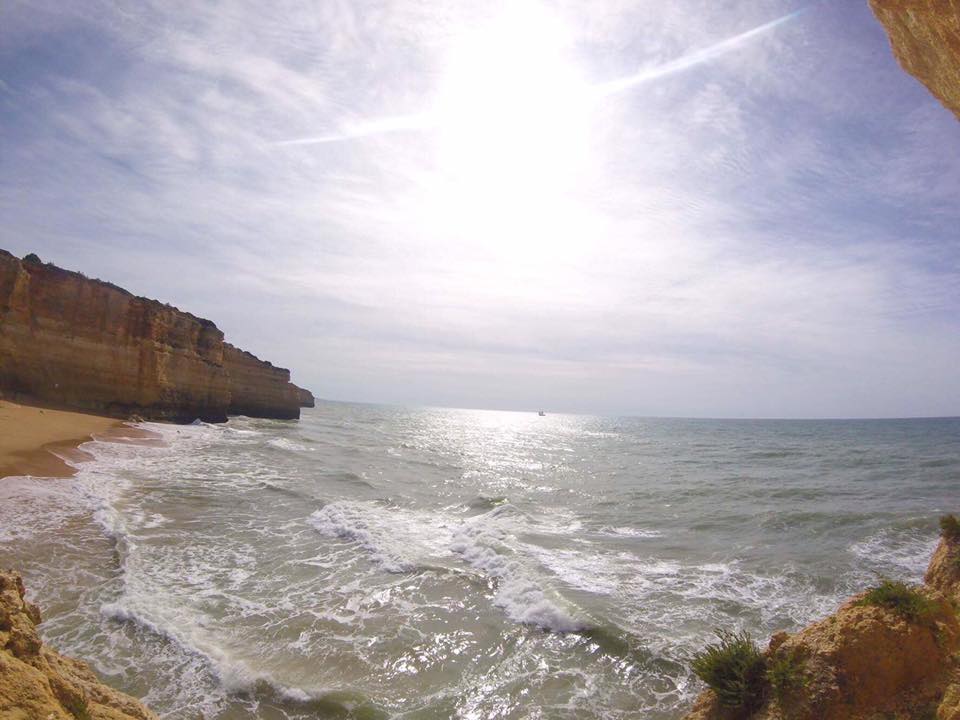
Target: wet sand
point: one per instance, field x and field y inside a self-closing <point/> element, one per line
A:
<point x="34" y="441"/>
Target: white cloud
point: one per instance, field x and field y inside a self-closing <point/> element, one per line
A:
<point x="767" y="232"/>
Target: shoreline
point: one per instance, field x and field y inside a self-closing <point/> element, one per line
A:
<point x="805" y="640"/>
<point x="38" y="441"/>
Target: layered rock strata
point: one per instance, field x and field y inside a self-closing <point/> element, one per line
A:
<point x="866" y="662"/>
<point x="925" y="37"/>
<point x="38" y="682"/>
<point x="76" y="343"/>
<point x="257" y="388"/>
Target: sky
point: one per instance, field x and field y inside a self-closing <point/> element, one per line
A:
<point x="694" y="208"/>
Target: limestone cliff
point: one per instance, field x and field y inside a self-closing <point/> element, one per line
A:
<point x="925" y="36"/>
<point x="306" y="397"/>
<point x="258" y="389"/>
<point x="867" y="661"/>
<point x="77" y="343"/>
<point x="38" y="682"/>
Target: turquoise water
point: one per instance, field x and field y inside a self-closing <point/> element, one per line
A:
<point x="418" y="563"/>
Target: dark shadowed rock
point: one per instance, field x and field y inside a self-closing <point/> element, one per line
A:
<point x="305" y="397"/>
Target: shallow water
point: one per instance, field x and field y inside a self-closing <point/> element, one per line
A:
<point x="385" y="562"/>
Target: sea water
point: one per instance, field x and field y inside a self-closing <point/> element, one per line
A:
<point x="378" y="562"/>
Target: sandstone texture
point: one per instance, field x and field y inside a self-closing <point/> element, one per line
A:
<point x="867" y="662"/>
<point x="37" y="683"/>
<point x="71" y="342"/>
<point x="925" y="36"/>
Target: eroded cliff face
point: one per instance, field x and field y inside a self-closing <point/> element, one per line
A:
<point x="259" y="389"/>
<point x="866" y="662"/>
<point x="306" y="397"/>
<point x="925" y="36"/>
<point x="73" y="342"/>
<point x="38" y="682"/>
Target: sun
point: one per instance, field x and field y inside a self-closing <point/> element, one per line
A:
<point x="512" y="126"/>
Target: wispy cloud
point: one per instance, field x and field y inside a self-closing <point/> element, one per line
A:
<point x="427" y="120"/>
<point x="768" y="228"/>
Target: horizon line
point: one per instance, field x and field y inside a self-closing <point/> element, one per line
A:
<point x="835" y="418"/>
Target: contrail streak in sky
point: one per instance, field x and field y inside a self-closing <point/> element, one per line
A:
<point x="424" y="121"/>
<point x="366" y="128"/>
<point x="690" y="60"/>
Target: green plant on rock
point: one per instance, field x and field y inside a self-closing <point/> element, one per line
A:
<point x="950" y="527"/>
<point x="735" y="669"/>
<point x="786" y="674"/>
<point x="903" y="599"/>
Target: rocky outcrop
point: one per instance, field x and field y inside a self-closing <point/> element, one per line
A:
<point x="925" y="37"/>
<point x="76" y="343"/>
<point x="305" y="397"/>
<point x="38" y="682"/>
<point x="943" y="573"/>
<point x="867" y="661"/>
<point x="258" y="389"/>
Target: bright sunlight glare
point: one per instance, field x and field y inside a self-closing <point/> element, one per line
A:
<point x="512" y="130"/>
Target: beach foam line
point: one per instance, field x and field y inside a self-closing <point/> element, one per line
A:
<point x="901" y="552"/>
<point x="236" y="677"/>
<point x="402" y="541"/>
<point x="525" y="595"/>
<point x="396" y="540"/>
<point x="29" y="506"/>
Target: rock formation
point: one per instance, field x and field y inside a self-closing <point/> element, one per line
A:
<point x="77" y="343"/>
<point x="925" y="36"/>
<point x="306" y="397"/>
<point x="37" y="682"/>
<point x="867" y="661"/>
<point x="257" y="388"/>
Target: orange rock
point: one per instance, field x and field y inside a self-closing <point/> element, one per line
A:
<point x="38" y="682"/>
<point x="950" y="706"/>
<point x="943" y="573"/>
<point x="925" y="36"/>
<point x="866" y="662"/>
<point x="77" y="343"/>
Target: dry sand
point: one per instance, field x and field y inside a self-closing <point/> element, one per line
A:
<point x="29" y="436"/>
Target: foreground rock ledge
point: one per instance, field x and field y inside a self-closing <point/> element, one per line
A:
<point x="870" y="663"/>
<point x="925" y="37"/>
<point x="39" y="683"/>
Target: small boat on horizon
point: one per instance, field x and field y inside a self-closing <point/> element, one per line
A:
<point x="541" y="413"/>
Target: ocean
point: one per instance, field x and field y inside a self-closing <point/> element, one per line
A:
<point x="382" y="562"/>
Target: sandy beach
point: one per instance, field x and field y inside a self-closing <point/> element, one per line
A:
<point x="29" y="437"/>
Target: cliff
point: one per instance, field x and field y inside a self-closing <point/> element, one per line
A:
<point x="77" y="343"/>
<point x="37" y="682"/>
<point x="305" y="397"/>
<point x="258" y="389"/>
<point x="888" y="653"/>
<point x="925" y="37"/>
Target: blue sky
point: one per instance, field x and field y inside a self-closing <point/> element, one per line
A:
<point x="691" y="208"/>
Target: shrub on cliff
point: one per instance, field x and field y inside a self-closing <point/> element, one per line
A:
<point x="899" y="597"/>
<point x="787" y="676"/>
<point x="735" y="670"/>
<point x="950" y="528"/>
